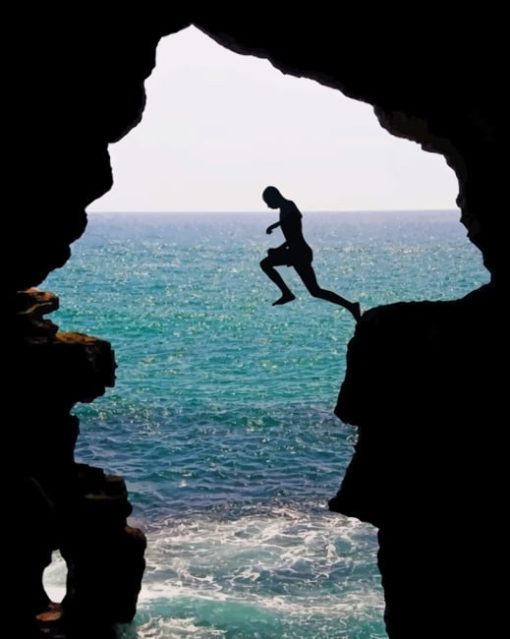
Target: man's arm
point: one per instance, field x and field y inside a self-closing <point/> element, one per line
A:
<point x="270" y="229"/>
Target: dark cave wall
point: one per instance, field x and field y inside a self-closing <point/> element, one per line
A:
<point x="421" y="383"/>
<point x="424" y="388"/>
<point x="82" y="88"/>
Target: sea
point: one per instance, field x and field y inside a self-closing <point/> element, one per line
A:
<point x="221" y="420"/>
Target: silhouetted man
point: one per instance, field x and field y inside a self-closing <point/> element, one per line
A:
<point x="295" y="252"/>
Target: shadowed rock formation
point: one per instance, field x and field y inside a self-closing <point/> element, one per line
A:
<point x="57" y="502"/>
<point x="423" y="387"/>
<point x="422" y="380"/>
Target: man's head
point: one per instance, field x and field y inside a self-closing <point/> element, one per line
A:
<point x="272" y="197"/>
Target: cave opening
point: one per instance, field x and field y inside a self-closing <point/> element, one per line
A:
<point x="231" y="481"/>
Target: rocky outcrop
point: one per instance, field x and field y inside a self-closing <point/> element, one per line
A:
<point x="428" y="469"/>
<point x="104" y="555"/>
<point x="57" y="503"/>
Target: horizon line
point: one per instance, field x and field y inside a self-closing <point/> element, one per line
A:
<point x="245" y="212"/>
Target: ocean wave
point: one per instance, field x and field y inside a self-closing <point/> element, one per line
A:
<point x="270" y="571"/>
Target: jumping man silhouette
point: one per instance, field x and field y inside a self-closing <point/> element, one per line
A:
<point x="295" y="252"/>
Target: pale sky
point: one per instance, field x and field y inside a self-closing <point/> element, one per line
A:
<point x="220" y="127"/>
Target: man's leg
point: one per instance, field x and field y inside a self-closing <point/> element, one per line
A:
<point x="267" y="265"/>
<point x="307" y="274"/>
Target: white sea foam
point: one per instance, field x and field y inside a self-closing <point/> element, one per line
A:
<point x="281" y="567"/>
<point x="160" y="628"/>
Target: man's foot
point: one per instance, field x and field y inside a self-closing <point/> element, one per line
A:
<point x="288" y="297"/>
<point x="355" y="310"/>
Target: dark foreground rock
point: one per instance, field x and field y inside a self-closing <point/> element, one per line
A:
<point x="424" y="386"/>
<point x="56" y="503"/>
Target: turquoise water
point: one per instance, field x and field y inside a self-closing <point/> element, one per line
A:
<point x="221" y="419"/>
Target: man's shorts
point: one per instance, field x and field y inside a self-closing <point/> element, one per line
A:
<point x="284" y="256"/>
